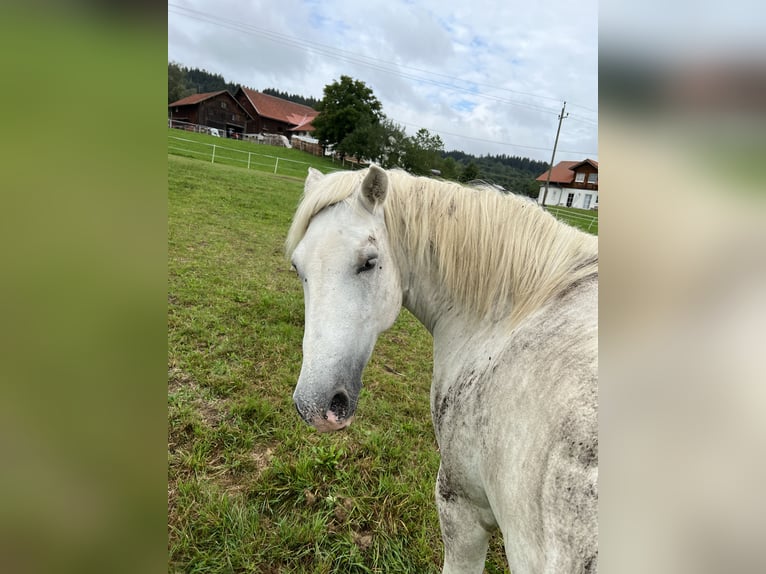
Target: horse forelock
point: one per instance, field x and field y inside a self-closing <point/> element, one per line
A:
<point x="325" y="192"/>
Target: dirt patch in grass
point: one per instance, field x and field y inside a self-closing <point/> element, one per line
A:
<point x="236" y="483"/>
<point x="262" y="456"/>
<point x="177" y="379"/>
<point x="363" y="539"/>
<point x="211" y="410"/>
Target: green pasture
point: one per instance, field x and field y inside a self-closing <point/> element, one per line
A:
<point x="295" y="163"/>
<point x="584" y="219"/>
<point x="251" y="488"/>
<point x="247" y="155"/>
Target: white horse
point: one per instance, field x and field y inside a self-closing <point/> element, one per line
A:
<point x="510" y="297"/>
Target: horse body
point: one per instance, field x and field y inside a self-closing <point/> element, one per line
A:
<point x="514" y="395"/>
<point x="516" y="423"/>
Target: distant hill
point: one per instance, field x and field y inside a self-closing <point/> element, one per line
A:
<point x="310" y="101"/>
<point x="516" y="174"/>
<point x="183" y="81"/>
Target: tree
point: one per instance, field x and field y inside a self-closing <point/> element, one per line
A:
<point x="364" y="142"/>
<point x="470" y="172"/>
<point x="422" y="152"/>
<point x="393" y="138"/>
<point x="449" y="168"/>
<point x="347" y="104"/>
<point x="177" y="85"/>
<point x="297" y="98"/>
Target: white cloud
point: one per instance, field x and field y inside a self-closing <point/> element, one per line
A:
<point x="492" y="71"/>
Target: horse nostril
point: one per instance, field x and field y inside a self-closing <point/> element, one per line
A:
<point x="339" y="405"/>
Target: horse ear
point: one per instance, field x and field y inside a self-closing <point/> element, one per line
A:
<point x="374" y="187"/>
<point x="313" y="177"/>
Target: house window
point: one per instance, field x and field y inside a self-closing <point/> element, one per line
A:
<point x="223" y="105"/>
<point x="593" y="178"/>
<point x="580" y="177"/>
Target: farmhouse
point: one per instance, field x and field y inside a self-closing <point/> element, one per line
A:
<point x="212" y="109"/>
<point x="573" y="184"/>
<point x="269" y="114"/>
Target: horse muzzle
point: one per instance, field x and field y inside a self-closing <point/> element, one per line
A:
<point x="336" y="416"/>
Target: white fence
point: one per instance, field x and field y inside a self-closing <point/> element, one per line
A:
<point x="228" y="155"/>
<point x="580" y="218"/>
<point x="217" y="153"/>
<point x="189" y="127"/>
<point x="267" y="138"/>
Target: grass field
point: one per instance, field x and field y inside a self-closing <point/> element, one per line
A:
<point x="251" y="488"/>
<point x="295" y="163"/>
<point x="248" y="155"/>
<point x="584" y="219"/>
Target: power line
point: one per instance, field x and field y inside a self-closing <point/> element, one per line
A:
<point x="583" y="120"/>
<point x="587" y="153"/>
<point x="371" y="62"/>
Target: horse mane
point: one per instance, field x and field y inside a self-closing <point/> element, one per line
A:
<point x="492" y="250"/>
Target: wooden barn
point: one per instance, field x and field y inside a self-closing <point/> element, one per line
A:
<point x="213" y="109"/>
<point x="272" y="115"/>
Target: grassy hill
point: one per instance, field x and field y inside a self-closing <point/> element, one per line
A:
<point x="248" y="155"/>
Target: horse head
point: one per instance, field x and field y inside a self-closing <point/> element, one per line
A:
<point x="352" y="293"/>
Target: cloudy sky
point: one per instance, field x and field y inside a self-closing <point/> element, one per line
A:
<point x="488" y="76"/>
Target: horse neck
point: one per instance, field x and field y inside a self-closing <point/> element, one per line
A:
<point x="424" y="295"/>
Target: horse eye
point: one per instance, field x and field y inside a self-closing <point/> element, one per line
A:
<point x="369" y="265"/>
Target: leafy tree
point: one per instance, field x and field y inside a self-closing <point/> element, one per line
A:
<point x="422" y="152"/>
<point x="177" y="85"/>
<point x="364" y="142"/>
<point x="347" y="104"/>
<point x="450" y="168"/>
<point x="470" y="172"/>
<point x="392" y="144"/>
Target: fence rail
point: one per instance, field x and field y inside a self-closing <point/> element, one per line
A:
<point x="217" y="153"/>
<point x="580" y="219"/>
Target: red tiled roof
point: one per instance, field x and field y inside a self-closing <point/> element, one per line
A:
<point x="195" y="98"/>
<point x="563" y="172"/>
<point x="282" y="110"/>
<point x="593" y="162"/>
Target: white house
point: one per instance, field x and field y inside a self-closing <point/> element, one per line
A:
<point x="573" y="184"/>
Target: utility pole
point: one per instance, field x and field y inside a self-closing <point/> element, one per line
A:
<point x="553" y="155"/>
